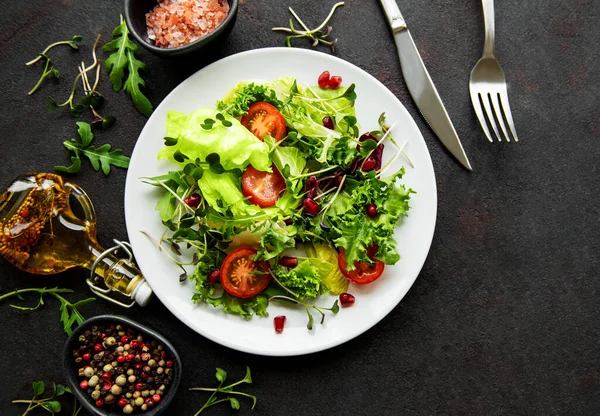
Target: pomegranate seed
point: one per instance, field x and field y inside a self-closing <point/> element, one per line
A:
<point x="288" y="261"/>
<point x="278" y="322"/>
<point x="193" y="200"/>
<point x="99" y="403"/>
<point x="123" y="402"/>
<point x="335" y="82"/>
<point x="156" y="398"/>
<point x="139" y="386"/>
<point x="121" y="359"/>
<point x="169" y="363"/>
<point x="311" y="207"/>
<point x="214" y="277"/>
<point x="124" y="339"/>
<point x="84" y="385"/>
<point x="324" y="79"/>
<point x="368" y="164"/>
<point x="328" y="122"/>
<point x="311" y="182"/>
<point x="87" y="356"/>
<point x="366" y="137"/>
<point x="98" y="347"/>
<point x="372" y="210"/>
<point x="346" y="299"/>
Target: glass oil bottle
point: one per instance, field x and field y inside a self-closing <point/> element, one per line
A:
<point x="40" y="234"/>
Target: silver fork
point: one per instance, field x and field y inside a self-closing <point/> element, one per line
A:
<point x="488" y="85"/>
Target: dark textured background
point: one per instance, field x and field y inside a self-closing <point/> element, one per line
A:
<point x="502" y="320"/>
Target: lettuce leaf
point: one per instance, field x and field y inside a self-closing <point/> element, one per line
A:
<point x="235" y="145"/>
<point x="304" y="279"/>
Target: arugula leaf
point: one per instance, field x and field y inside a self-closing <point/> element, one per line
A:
<point x="99" y="157"/>
<point x="133" y="82"/>
<point x="124" y="59"/>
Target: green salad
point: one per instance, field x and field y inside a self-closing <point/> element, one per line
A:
<point x="279" y="196"/>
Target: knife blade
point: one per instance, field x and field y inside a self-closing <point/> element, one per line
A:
<point x="421" y="86"/>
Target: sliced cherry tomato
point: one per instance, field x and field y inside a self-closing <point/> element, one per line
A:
<point x="243" y="277"/>
<point x="262" y="118"/>
<point x="364" y="272"/>
<point x="263" y="188"/>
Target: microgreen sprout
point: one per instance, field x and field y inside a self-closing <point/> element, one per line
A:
<point x="69" y="312"/>
<point x="72" y="43"/>
<point x="386" y="130"/>
<point x="50" y="404"/>
<point x="315" y="36"/>
<point x="335" y="308"/>
<point x="49" y="69"/>
<point x="221" y="376"/>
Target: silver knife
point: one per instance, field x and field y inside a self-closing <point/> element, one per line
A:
<point x="420" y="84"/>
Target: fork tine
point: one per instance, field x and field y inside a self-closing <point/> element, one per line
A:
<point x="508" y="113"/>
<point x="479" y="111"/>
<point x="490" y="115"/>
<point x="498" y="112"/>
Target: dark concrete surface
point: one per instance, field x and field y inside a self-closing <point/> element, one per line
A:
<point x="503" y="319"/>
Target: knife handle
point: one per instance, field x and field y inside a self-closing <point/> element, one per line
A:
<point x="397" y="22"/>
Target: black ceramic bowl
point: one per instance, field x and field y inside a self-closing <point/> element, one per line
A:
<point x="70" y="367"/>
<point x="135" y="15"/>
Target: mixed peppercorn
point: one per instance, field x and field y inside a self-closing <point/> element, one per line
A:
<point x="122" y="370"/>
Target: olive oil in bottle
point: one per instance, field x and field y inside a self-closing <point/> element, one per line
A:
<point x="40" y="234"/>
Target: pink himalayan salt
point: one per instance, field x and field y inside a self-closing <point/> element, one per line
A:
<point x="174" y="23"/>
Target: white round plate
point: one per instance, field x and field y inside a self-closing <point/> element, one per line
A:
<point x="373" y="301"/>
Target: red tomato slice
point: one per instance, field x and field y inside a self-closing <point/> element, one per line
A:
<point x="263" y="188"/>
<point x="243" y="277"/>
<point x="262" y="118"/>
<point x="364" y="272"/>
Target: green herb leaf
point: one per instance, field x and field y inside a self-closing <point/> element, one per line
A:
<point x="124" y="59"/>
<point x="60" y="390"/>
<point x="133" y="83"/>
<point x="38" y="388"/>
<point x="221" y="375"/>
<point x="52" y="406"/>
<point x="170" y="141"/>
<point x="248" y="377"/>
<point x="74" y="168"/>
<point x="235" y="404"/>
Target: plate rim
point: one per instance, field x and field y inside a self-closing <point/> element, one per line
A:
<point x="351" y="335"/>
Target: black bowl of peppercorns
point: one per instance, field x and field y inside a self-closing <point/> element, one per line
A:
<point x="116" y="366"/>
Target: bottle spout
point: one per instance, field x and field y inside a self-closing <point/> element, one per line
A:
<point x="142" y="293"/>
<point x="118" y="279"/>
